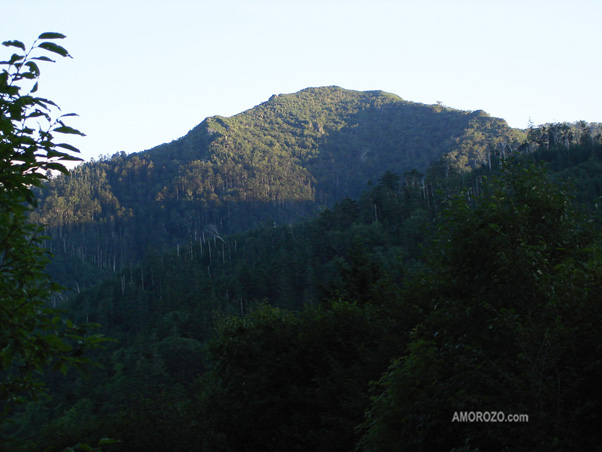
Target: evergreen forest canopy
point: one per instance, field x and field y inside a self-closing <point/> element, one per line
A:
<point x="277" y="162"/>
<point x="332" y="270"/>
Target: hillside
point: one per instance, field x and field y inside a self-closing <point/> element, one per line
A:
<point x="273" y="163"/>
<point x="225" y="343"/>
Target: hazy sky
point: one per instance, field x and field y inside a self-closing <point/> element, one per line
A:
<point x="145" y="72"/>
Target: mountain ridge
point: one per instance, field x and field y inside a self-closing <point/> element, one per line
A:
<point x="324" y="306"/>
<point x="318" y="129"/>
<point x="277" y="162"/>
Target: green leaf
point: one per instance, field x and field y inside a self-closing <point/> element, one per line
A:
<point x="43" y="58"/>
<point x="51" y="35"/>
<point x="55" y="48"/>
<point x="33" y="68"/>
<point x="29" y="75"/>
<point x="14" y="58"/>
<point x="70" y="158"/>
<point x="68" y="147"/>
<point x="14" y="43"/>
<point x="44" y="102"/>
<point x="56" y="167"/>
<point x="69" y="130"/>
<point x="97" y="339"/>
<point x="57" y="343"/>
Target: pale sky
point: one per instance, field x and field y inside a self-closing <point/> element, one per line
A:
<point x="145" y="72"/>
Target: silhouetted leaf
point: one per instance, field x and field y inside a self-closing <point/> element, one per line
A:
<point x="15" y="43"/>
<point x="55" y="48"/>
<point x="51" y="35"/>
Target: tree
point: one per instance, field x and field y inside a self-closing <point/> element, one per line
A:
<point x="512" y="304"/>
<point x="33" y="335"/>
<point x="282" y="380"/>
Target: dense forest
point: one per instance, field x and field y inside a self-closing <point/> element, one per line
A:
<point x="277" y="162"/>
<point x="331" y="271"/>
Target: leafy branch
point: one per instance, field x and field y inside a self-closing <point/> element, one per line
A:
<point x="33" y="336"/>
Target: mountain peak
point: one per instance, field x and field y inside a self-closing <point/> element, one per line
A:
<point x="279" y="160"/>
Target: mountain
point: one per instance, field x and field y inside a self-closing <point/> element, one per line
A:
<point x="276" y="162"/>
<point x="229" y="341"/>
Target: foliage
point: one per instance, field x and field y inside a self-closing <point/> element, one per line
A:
<point x="161" y="310"/>
<point x="286" y="381"/>
<point x="345" y="292"/>
<point x="497" y="313"/>
<point x="33" y="334"/>
<point x="510" y="296"/>
<point x="276" y="162"/>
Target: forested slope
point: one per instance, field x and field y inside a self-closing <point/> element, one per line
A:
<point x="443" y="296"/>
<point x="481" y="287"/>
<point x="274" y="163"/>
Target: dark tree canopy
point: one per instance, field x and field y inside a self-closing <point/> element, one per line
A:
<point x="511" y="289"/>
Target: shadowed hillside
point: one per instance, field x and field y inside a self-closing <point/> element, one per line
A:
<point x="276" y="162"/>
